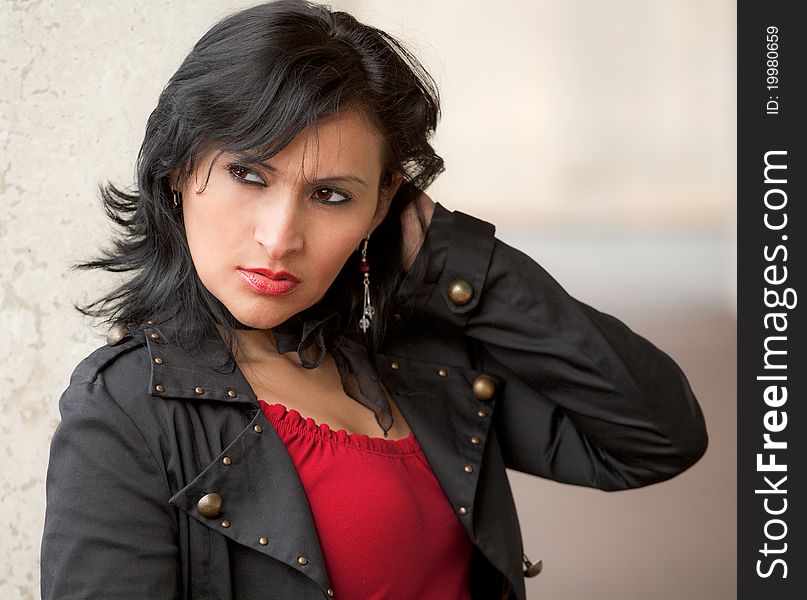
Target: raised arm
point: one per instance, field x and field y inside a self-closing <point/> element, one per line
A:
<point x="586" y="400"/>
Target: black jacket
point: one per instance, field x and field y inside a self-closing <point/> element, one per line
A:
<point x="492" y="364"/>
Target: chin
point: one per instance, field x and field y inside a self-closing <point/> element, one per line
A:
<point x="260" y="321"/>
<point x="262" y="317"/>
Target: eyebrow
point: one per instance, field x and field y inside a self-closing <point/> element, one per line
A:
<point x="332" y="178"/>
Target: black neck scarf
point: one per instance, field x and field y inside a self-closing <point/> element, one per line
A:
<point x="316" y="329"/>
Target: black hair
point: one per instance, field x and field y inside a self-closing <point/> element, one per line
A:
<point x="253" y="82"/>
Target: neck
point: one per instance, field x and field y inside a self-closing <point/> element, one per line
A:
<point x="253" y="345"/>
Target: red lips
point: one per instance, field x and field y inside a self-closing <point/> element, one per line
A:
<point x="274" y="274"/>
<point x="268" y="282"/>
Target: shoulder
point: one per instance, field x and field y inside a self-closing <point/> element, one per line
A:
<point x="151" y="369"/>
<point x="112" y="380"/>
<point x="125" y="353"/>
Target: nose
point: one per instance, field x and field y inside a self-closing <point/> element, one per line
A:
<point x="279" y="228"/>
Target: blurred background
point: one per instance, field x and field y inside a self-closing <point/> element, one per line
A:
<point x="600" y="139"/>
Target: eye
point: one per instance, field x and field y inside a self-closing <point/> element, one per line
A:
<point x="245" y="175"/>
<point x="324" y="195"/>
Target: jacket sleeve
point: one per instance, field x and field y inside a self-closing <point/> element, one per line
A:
<point x="108" y="532"/>
<point x="586" y="400"/>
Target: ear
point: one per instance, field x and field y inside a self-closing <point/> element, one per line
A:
<point x="385" y="196"/>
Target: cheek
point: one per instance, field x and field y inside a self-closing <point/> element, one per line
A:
<point x="211" y="230"/>
<point x="334" y="247"/>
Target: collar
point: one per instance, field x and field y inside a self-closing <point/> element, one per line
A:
<point x="212" y="374"/>
<point x="207" y="374"/>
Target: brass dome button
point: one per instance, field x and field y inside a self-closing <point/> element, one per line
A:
<point x="225" y="523"/>
<point x="395" y="365"/>
<point x="116" y="334"/>
<point x="474" y="439"/>
<point x="469" y="469"/>
<point x="463" y="510"/>
<point x="533" y="569"/>
<point x="227" y="460"/>
<point x="460" y="292"/>
<point x="159" y="387"/>
<point x="209" y="505"/>
<point x="330" y="592"/>
<point x="484" y="387"/>
<point x="199" y="390"/>
<point x="258" y="429"/>
<point x="232" y="393"/>
<point x="263" y="541"/>
<point x="442" y="372"/>
<point x="159" y="360"/>
<point x="150" y="322"/>
<point x="155" y="336"/>
<point x="302" y="560"/>
<point x="481" y="412"/>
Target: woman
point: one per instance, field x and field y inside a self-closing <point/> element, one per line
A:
<point x="316" y="375"/>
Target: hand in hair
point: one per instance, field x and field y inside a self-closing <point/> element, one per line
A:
<point x="413" y="232"/>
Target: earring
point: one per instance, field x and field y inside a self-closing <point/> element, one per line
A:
<point x="177" y="197"/>
<point x="364" y="267"/>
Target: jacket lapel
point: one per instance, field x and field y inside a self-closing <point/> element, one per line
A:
<point x="254" y="467"/>
<point x="444" y="424"/>
<point x="454" y="427"/>
<point x="264" y="505"/>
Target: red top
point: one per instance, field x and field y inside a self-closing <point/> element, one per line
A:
<point x="386" y="528"/>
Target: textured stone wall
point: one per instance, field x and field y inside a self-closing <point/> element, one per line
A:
<point x="571" y="114"/>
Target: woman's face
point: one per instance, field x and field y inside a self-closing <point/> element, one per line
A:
<point x="304" y="211"/>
